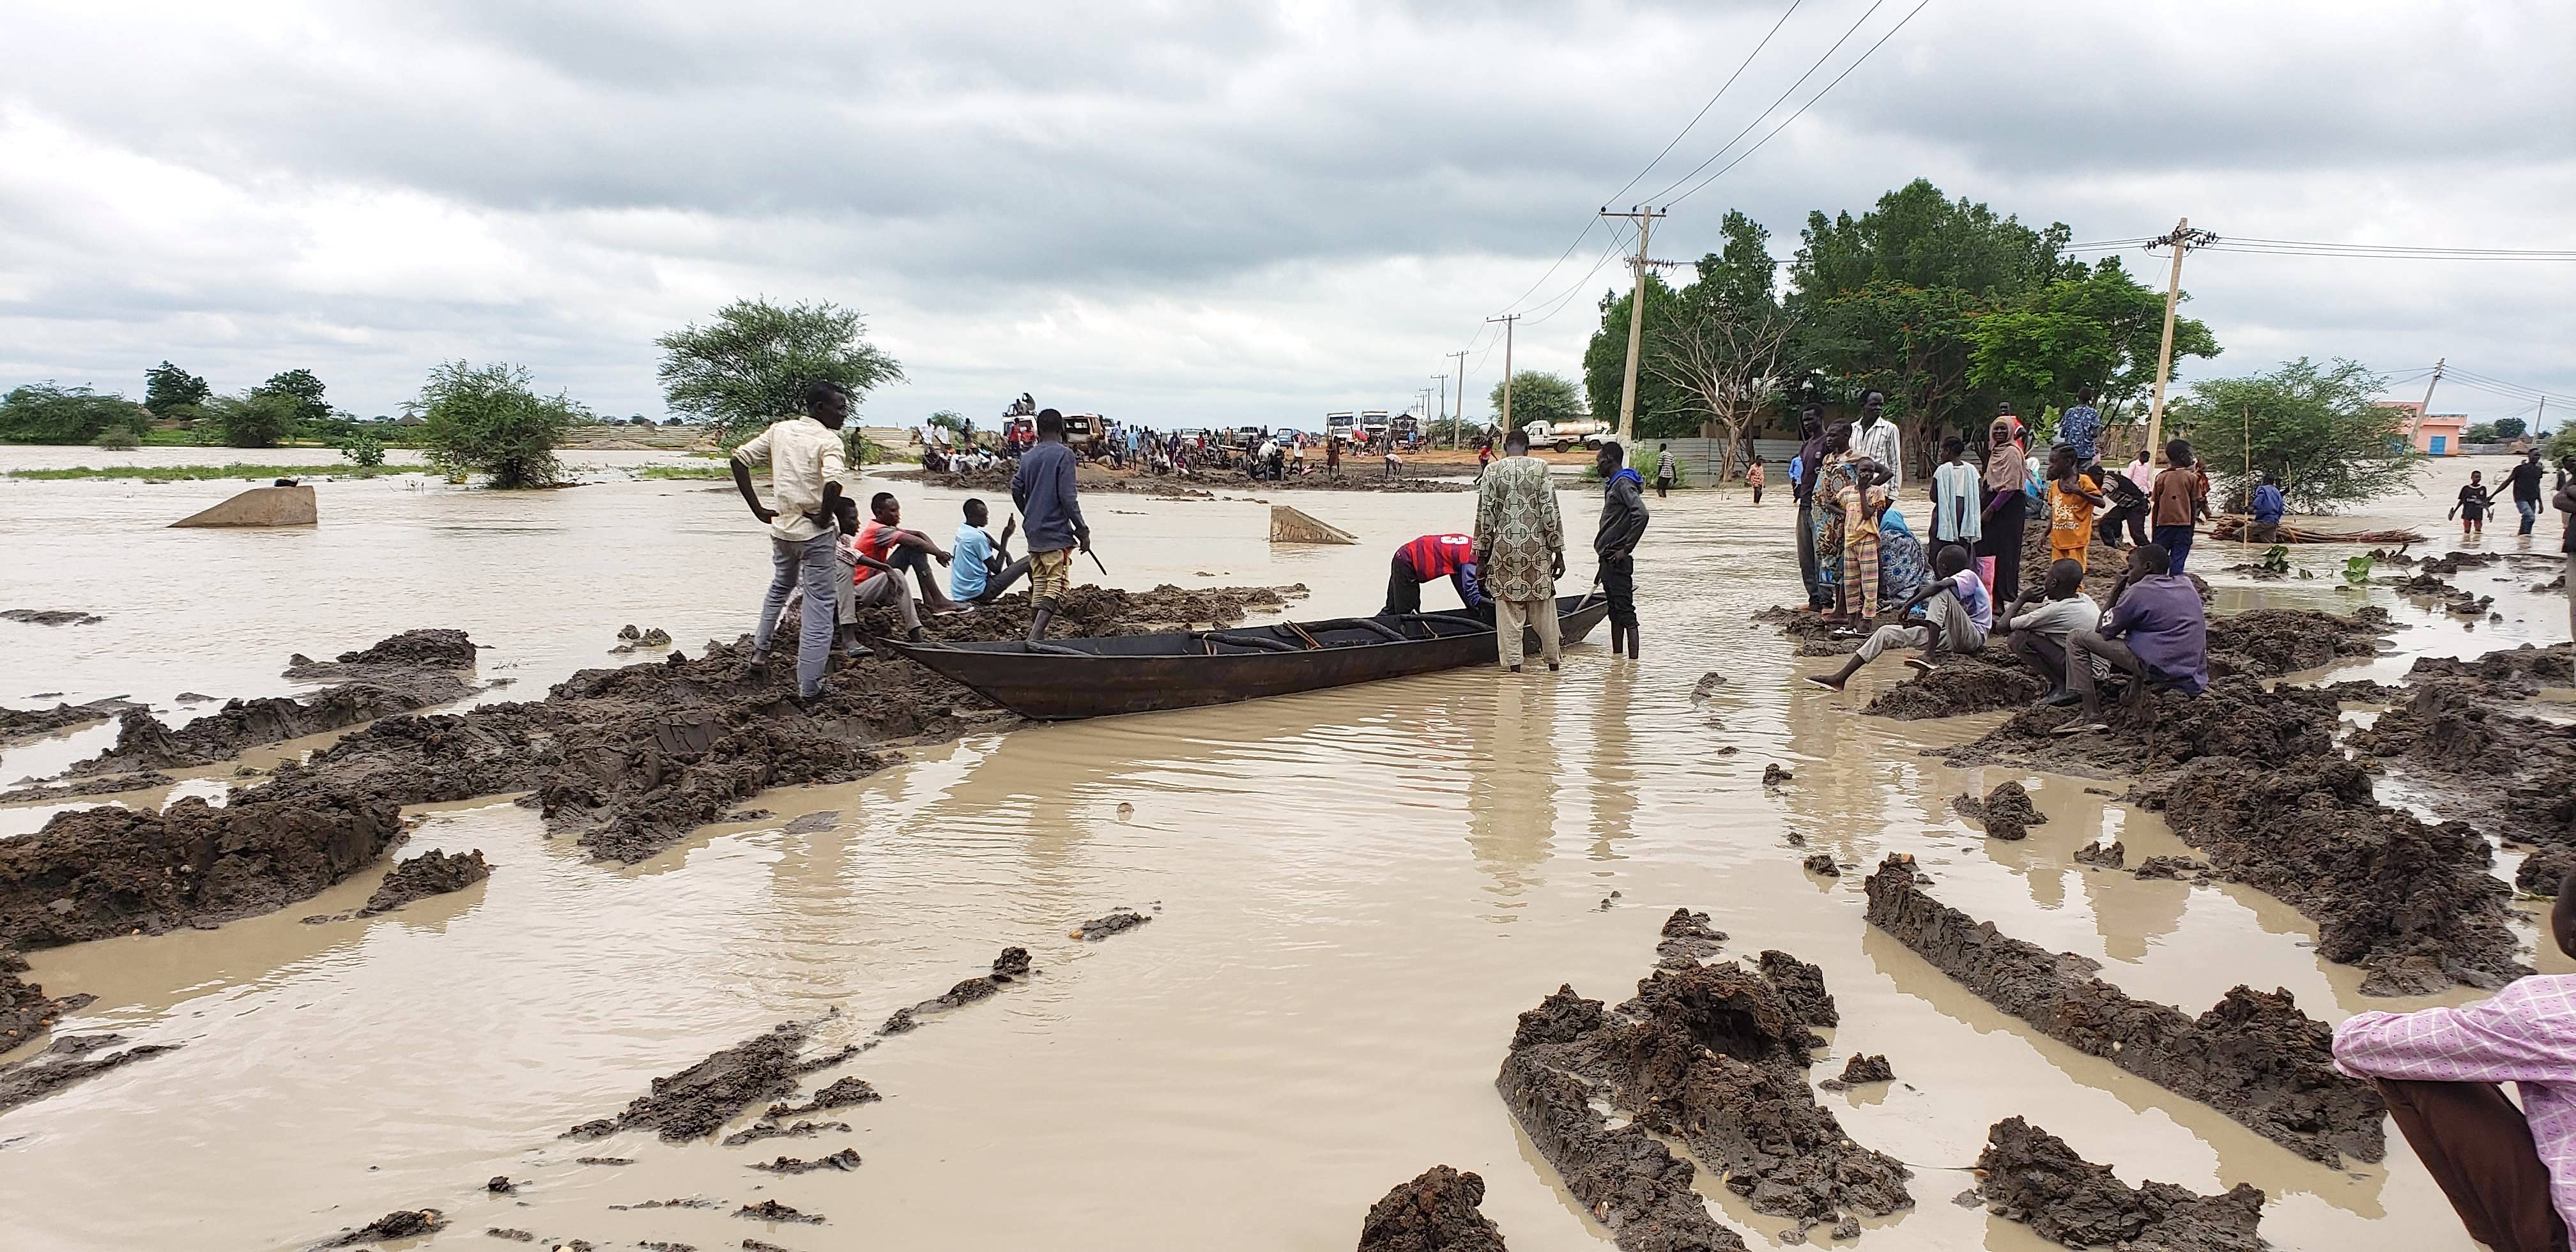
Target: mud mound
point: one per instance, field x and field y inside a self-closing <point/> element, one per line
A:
<point x="24" y="1006"/>
<point x="2381" y="886"/>
<point x="2113" y="855"/>
<point x="399" y="1224"/>
<point x="1436" y="1212"/>
<point x="699" y="1100"/>
<point x="429" y="874"/>
<point x="2235" y="717"/>
<point x="842" y="1094"/>
<point x="66" y="1061"/>
<point x="1975" y="682"/>
<point x="1010" y="967"/>
<point x="758" y="1131"/>
<point x="106" y="871"/>
<point x="1687" y="939"/>
<point x="2006" y="812"/>
<point x="51" y="617"/>
<point x="1118" y="921"/>
<point x="103" y="785"/>
<point x="432" y="649"/>
<point x="2523" y="667"/>
<point x="2458" y="560"/>
<point x="1624" y="1177"/>
<point x="2267" y="643"/>
<point x="1860" y="1070"/>
<point x="17" y="724"/>
<point x="2032" y="1177"/>
<point x="845" y="1159"/>
<point x="2510" y="775"/>
<point x="143" y="743"/>
<point x="2254" y="1057"/>
<point x="1801" y="988"/>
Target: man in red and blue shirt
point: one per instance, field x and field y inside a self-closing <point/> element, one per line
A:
<point x="1432" y="556"/>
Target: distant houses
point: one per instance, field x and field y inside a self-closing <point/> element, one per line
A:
<point x="2436" y="434"/>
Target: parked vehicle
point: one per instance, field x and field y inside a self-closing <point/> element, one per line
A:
<point x="1567" y="435"/>
<point x="1342" y="426"/>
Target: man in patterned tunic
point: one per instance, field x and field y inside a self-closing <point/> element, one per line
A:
<point x="1520" y="549"/>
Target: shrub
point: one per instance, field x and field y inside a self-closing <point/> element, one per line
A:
<point x="118" y="439"/>
<point x="363" y="448"/>
<point x="485" y="419"/>
<point x="46" y="413"/>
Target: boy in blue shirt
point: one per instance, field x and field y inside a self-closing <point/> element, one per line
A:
<point x="982" y="570"/>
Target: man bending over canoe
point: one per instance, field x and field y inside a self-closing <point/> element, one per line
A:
<point x="1432" y="556"/>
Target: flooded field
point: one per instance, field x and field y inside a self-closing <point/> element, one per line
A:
<point x="1352" y="896"/>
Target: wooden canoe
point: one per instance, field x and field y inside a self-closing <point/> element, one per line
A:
<point x="1063" y="679"/>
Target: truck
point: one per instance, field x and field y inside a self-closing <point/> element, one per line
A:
<point x="1342" y="426"/>
<point x="1567" y="435"/>
<point x="1373" y="424"/>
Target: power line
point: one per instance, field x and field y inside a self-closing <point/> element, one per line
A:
<point x="1766" y="109"/>
<point x="2555" y="254"/>
<point x="1712" y="102"/>
<point x="1811" y="101"/>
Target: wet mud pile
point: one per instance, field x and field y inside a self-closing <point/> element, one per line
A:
<point x="2235" y="717"/>
<point x="1436" y="1212"/>
<point x="2509" y="775"/>
<point x="104" y="871"/>
<point x="143" y="743"/>
<point x="433" y="648"/>
<point x="1687" y="939"/>
<point x="696" y="1102"/>
<point x="1973" y="682"/>
<point x="429" y="874"/>
<point x="1624" y="1177"/>
<point x="51" y="617"/>
<point x="99" y="785"/>
<point x="2411" y="902"/>
<point x="1361" y="474"/>
<point x="1716" y="1057"/>
<point x="2006" y="812"/>
<point x="17" y="724"/>
<point x="66" y="1061"/>
<point x="2267" y="643"/>
<point x="1012" y="966"/>
<point x="24" y="1006"/>
<point x="2032" y="1177"/>
<point x="2252" y="1056"/>
<point x="2515" y="672"/>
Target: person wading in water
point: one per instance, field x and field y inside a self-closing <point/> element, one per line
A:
<point x="1623" y="523"/>
<point x="1520" y="549"/>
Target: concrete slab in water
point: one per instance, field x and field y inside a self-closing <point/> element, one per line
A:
<point x="259" y="506"/>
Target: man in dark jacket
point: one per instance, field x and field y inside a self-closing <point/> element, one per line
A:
<point x="1044" y="489"/>
<point x="1623" y="523"/>
<point x="1802" y="487"/>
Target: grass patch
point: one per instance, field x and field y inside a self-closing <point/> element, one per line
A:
<point x="685" y="471"/>
<point x="195" y="473"/>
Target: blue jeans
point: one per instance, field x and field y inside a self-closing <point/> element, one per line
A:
<point x="2176" y="541"/>
<point x="2530" y="510"/>
<point x="813" y="562"/>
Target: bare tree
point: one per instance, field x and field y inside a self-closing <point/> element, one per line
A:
<point x="1727" y="362"/>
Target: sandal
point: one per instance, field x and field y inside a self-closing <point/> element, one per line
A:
<point x="2080" y="728"/>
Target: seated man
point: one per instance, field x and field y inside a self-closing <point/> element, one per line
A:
<point x="981" y="570"/>
<point x="2039" y="635"/>
<point x="1432" y="556"/>
<point x="865" y="582"/>
<point x="2438" y="1069"/>
<point x="2166" y="632"/>
<point x="883" y="538"/>
<point x="1955" y="614"/>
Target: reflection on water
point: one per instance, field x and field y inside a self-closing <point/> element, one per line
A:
<point x="1359" y="891"/>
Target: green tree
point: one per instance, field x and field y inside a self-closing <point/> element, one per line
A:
<point x="168" y="389"/>
<point x="2322" y="430"/>
<point x="2509" y="428"/>
<point x="1915" y="237"/>
<point x="486" y="419"/>
<point x="750" y="365"/>
<point x="305" y="390"/>
<point x="1736" y="285"/>
<point x="364" y="448"/>
<point x="46" y="413"/>
<point x="2097" y="328"/>
<point x="258" y="418"/>
<point x="948" y="419"/>
<point x="1538" y="397"/>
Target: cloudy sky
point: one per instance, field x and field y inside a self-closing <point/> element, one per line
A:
<point x="1183" y="212"/>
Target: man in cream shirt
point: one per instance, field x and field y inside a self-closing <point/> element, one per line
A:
<point x="805" y="468"/>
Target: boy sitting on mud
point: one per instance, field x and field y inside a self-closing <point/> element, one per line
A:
<point x="2503" y="1168"/>
<point x="2039" y="636"/>
<point x="2156" y="632"/>
<point x="1956" y="614"/>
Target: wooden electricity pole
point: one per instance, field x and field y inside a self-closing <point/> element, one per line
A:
<point x="2416" y="427"/>
<point x="2182" y="240"/>
<point x="1431" y="436"/>
<point x="1454" y="435"/>
<point x="1644" y="217"/>
<point x="1507" y="319"/>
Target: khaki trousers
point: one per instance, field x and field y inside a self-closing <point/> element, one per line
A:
<point x="1539" y="615"/>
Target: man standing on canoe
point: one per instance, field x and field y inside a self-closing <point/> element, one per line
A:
<point x="1044" y="489"/>
<point x="1432" y="556"/>
<point x="805" y="468"/>
<point x="1520" y="549"/>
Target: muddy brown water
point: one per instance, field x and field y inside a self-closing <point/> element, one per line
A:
<point x="1359" y="889"/>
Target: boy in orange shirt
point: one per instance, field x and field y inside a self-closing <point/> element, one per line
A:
<point x="2072" y="497"/>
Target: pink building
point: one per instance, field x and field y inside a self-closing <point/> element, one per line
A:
<point x="2436" y="434"/>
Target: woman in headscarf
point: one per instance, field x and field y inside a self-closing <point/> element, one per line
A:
<point x="1826" y="519"/>
<point x="1901" y="567"/>
<point x="2006" y="506"/>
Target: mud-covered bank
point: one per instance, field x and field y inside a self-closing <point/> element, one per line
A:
<point x="68" y="1060"/>
<point x="2252" y="1056"/>
<point x="19" y="724"/>
<point x="2505" y="774"/>
<point x="2031" y="1176"/>
<point x="24" y="1006"/>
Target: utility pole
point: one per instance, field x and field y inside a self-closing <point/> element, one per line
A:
<point x="1507" y="319"/>
<point x="2182" y="240"/>
<point x="2416" y="427"/>
<point x="1431" y="437"/>
<point x="1645" y="218"/>
<point x="1454" y="432"/>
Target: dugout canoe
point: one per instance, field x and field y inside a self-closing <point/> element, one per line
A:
<point x="1064" y="679"/>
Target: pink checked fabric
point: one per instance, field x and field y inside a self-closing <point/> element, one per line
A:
<point x="2526" y="1035"/>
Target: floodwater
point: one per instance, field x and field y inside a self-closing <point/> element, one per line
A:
<point x="1358" y="892"/>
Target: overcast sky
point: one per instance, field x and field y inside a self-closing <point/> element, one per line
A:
<point x="1180" y="212"/>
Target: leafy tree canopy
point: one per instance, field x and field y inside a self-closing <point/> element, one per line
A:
<point x="1538" y="397"/>
<point x="168" y="389"/>
<point x="258" y="418"/>
<point x="301" y="387"/>
<point x="487" y="419"/>
<point x="2322" y="429"/>
<point x="1916" y="237"/>
<point x="1738" y="284"/>
<point x="750" y="365"/>
<point x="2510" y="427"/>
<point x="47" y="413"/>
